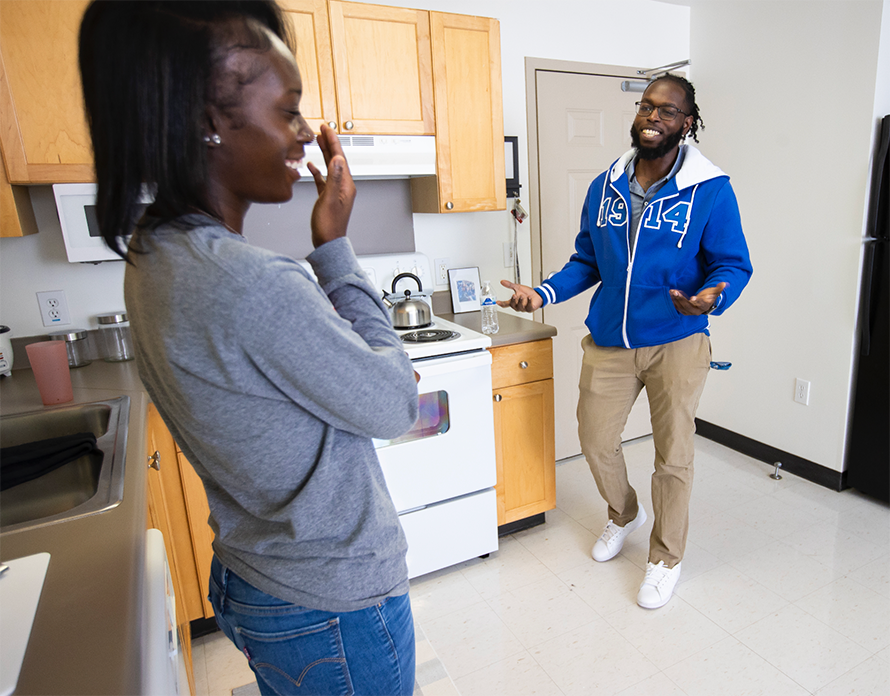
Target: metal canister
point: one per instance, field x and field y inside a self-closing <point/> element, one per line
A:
<point x="5" y="352"/>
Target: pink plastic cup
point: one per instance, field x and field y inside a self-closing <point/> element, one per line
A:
<point x="49" y="361"/>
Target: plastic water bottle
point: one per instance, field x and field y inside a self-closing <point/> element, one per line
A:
<point x="489" y="309"/>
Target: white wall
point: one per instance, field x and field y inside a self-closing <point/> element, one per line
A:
<point x="882" y="79"/>
<point x="788" y="91"/>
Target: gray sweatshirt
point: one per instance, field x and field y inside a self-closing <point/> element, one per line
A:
<point x="273" y="386"/>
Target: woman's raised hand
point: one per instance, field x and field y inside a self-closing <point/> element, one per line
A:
<point x="330" y="215"/>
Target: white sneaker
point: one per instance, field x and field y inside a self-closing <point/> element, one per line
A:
<point x="612" y="539"/>
<point x="658" y="586"/>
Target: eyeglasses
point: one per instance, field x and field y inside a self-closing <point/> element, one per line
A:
<point x="665" y="113"/>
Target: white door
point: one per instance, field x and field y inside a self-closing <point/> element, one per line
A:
<point x="584" y="125"/>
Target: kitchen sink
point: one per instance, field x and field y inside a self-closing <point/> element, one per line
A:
<point x="86" y="486"/>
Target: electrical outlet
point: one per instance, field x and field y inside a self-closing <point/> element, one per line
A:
<point x="441" y="271"/>
<point x="802" y="391"/>
<point x="509" y="260"/>
<point x="53" y="308"/>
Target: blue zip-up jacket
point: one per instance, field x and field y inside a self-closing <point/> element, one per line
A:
<point x="689" y="238"/>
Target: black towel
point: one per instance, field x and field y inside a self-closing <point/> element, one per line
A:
<point x="30" y="461"/>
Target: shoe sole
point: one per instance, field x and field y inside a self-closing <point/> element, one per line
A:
<point x="632" y="526"/>
<point x="654" y="606"/>
<point x="659" y="606"/>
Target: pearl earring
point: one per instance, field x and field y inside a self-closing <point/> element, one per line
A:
<point x="215" y="139"/>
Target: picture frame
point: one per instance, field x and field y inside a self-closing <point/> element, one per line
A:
<point x="466" y="290"/>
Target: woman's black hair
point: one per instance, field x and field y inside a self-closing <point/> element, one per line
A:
<point x="691" y="106"/>
<point x="148" y="69"/>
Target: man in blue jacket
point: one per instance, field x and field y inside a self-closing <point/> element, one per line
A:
<point x="661" y="234"/>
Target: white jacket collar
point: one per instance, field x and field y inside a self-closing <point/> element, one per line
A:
<point x="696" y="167"/>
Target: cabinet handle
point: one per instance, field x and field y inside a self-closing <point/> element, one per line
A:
<point x="498" y="397"/>
<point x="523" y="364"/>
<point x="449" y="205"/>
<point x="154" y="461"/>
<point x="332" y="125"/>
<point x="349" y="125"/>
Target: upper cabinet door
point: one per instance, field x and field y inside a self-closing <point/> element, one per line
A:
<point x="16" y="214"/>
<point x="43" y="128"/>
<point x="469" y="113"/>
<point x="309" y="19"/>
<point x="382" y="67"/>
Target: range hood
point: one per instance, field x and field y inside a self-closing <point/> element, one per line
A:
<point x="381" y="156"/>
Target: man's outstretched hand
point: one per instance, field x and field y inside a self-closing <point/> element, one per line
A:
<point x="524" y="299"/>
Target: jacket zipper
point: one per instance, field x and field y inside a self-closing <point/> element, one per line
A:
<point x="632" y="253"/>
<point x="689" y="219"/>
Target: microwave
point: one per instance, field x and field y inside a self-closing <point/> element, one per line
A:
<point x="76" y="205"/>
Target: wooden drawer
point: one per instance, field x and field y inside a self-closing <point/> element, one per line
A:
<point x="521" y="363"/>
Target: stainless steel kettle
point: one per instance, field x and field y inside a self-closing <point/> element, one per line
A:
<point x="406" y="311"/>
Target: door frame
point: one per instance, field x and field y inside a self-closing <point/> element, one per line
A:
<point x="532" y="65"/>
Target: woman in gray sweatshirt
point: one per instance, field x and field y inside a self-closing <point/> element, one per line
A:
<point x="272" y="384"/>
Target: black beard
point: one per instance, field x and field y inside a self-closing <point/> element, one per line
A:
<point x="653" y="153"/>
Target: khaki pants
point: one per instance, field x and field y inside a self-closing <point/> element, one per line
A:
<point x="611" y="379"/>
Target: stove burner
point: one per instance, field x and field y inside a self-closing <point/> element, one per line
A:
<point x="429" y="336"/>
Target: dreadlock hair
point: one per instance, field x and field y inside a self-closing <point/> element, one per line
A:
<point x="149" y="68"/>
<point x="689" y="91"/>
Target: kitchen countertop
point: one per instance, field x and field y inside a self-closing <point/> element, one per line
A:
<point x="511" y="328"/>
<point x="87" y="630"/>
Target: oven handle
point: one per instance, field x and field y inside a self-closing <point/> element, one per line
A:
<point x="452" y="363"/>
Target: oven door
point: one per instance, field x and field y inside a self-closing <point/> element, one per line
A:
<point x="450" y="450"/>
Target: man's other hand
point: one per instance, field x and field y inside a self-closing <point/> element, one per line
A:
<point x="697" y="304"/>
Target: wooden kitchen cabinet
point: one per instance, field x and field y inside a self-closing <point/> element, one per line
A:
<point x="522" y="391"/>
<point x="366" y="69"/>
<point x="199" y="529"/>
<point x="309" y="20"/>
<point x="382" y="69"/>
<point x="16" y="214"/>
<point x="43" y="130"/>
<point x="469" y="118"/>
<point x="178" y="507"/>
<point x="167" y="513"/>
<point x="385" y="70"/>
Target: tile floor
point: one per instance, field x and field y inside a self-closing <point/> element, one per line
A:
<point x="785" y="591"/>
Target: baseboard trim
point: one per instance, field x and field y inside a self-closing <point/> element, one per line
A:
<point x="835" y="480"/>
<point x="519" y="525"/>
<point x="203" y="627"/>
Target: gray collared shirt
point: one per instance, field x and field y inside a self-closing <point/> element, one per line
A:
<point x="639" y="198"/>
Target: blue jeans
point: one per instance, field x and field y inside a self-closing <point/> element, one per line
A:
<point x="296" y="650"/>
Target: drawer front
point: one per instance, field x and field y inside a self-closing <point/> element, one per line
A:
<point x="521" y="363"/>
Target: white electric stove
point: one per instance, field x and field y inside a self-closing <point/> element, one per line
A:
<point x="441" y="474"/>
